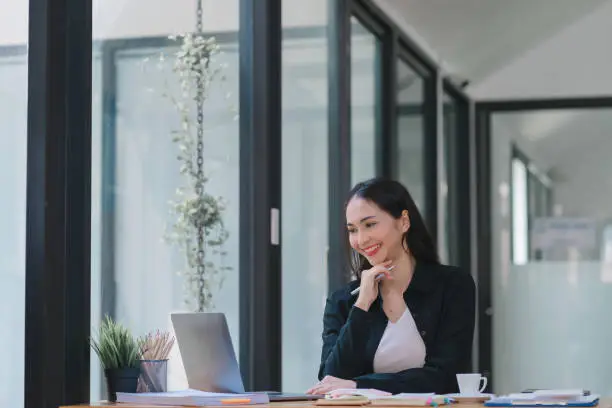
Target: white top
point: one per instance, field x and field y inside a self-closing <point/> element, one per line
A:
<point x="401" y="346"/>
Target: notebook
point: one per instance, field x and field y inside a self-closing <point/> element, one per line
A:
<point x="193" y="398"/>
<point x="381" y="398"/>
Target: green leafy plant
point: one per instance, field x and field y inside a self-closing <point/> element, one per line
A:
<point x="198" y="227"/>
<point x="115" y="346"/>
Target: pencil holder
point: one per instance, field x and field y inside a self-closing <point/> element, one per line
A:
<point x="153" y="376"/>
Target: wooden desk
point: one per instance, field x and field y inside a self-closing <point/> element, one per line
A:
<point x="292" y="404"/>
<point x="603" y="403"/>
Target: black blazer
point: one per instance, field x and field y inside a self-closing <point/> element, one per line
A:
<point x="442" y="302"/>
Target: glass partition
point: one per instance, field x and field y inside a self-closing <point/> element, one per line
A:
<point x="304" y="190"/>
<point x="551" y="325"/>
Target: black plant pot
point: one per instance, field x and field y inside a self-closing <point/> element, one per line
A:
<point x="121" y="380"/>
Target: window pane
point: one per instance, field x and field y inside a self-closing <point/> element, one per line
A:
<point x="13" y="165"/>
<point x="364" y="51"/>
<point x="138" y="276"/>
<point x="520" y="239"/>
<point x="96" y="216"/>
<point x="410" y="131"/>
<point x="304" y="190"/>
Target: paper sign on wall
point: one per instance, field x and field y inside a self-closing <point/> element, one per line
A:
<point x="564" y="232"/>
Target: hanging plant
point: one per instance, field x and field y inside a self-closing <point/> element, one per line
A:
<point x="198" y="228"/>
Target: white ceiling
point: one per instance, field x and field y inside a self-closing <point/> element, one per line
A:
<point x="511" y="49"/>
<point x="476" y="38"/>
<point x="575" y="154"/>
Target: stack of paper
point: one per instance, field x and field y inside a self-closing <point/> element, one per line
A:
<point x="549" y="394"/>
<point x="192" y="398"/>
<point x="413" y="400"/>
<point x="369" y="393"/>
<point x="545" y="398"/>
<point x="381" y="398"/>
<point x="350" y="396"/>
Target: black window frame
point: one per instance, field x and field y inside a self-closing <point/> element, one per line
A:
<point x="58" y="204"/>
<point x="460" y="155"/>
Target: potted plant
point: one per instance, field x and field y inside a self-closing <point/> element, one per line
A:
<point x="119" y="354"/>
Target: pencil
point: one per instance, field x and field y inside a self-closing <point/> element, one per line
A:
<point x="380" y="275"/>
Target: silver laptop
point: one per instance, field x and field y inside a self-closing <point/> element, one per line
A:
<point x="208" y="355"/>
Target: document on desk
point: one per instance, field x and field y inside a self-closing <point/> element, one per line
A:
<point x="369" y="393"/>
<point x="372" y="393"/>
<point x="194" y="398"/>
<point x="543" y="399"/>
<point x="412" y="400"/>
<point x="381" y="398"/>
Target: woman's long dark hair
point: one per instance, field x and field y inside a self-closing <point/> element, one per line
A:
<point x="393" y="198"/>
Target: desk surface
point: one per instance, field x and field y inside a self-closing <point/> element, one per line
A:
<point x="603" y="403"/>
<point x="291" y="404"/>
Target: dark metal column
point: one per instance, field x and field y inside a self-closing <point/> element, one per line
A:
<point x="339" y="77"/>
<point x="431" y="110"/>
<point x="484" y="262"/>
<point x="58" y="230"/>
<point x="387" y="142"/>
<point x="260" y="194"/>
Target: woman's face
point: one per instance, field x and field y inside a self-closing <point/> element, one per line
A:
<point x="373" y="232"/>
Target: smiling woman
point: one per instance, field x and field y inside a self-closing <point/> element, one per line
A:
<point x="410" y="328"/>
<point x="383" y="210"/>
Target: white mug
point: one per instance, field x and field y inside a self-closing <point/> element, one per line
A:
<point x="469" y="384"/>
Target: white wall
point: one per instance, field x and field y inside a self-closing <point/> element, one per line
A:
<point x="514" y="49"/>
<point x="13" y="22"/>
<point x="136" y="18"/>
<point x="576" y="62"/>
<point x="396" y="13"/>
<point x="141" y="18"/>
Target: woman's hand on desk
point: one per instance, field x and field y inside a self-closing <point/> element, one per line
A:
<point x="330" y="383"/>
<point x="368" y="290"/>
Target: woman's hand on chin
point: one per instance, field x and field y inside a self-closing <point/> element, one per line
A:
<point x="330" y="383"/>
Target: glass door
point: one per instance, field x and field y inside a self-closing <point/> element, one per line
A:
<point x="550" y="312"/>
